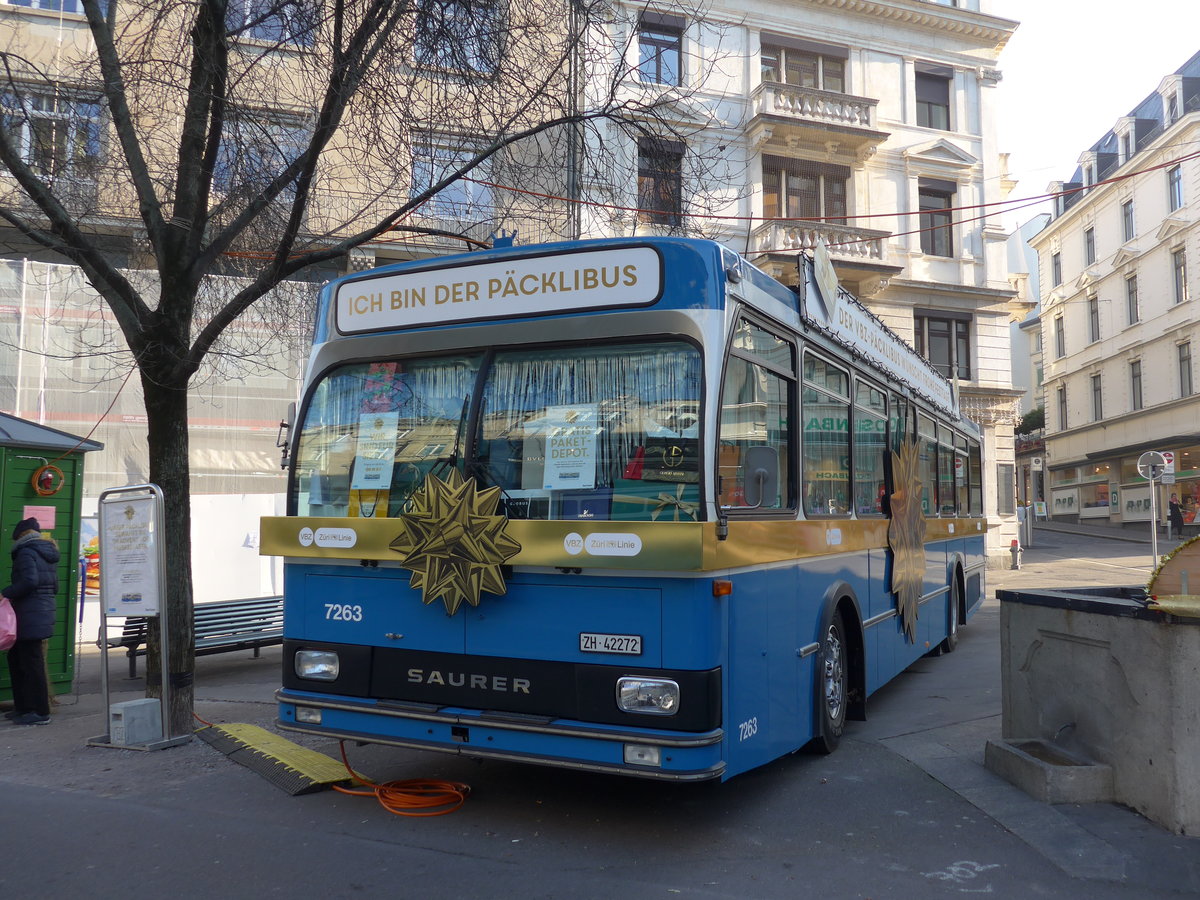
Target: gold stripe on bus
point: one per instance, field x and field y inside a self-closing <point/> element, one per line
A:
<point x="678" y="546"/>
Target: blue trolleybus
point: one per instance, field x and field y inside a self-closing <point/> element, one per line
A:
<point x="626" y="506"/>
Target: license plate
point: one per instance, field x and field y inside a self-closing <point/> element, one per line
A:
<point x="629" y="644"/>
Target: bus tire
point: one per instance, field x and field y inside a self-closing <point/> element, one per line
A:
<point x="832" y="680"/>
<point x="951" y="640"/>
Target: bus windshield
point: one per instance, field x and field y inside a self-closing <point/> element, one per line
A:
<point x="606" y="431"/>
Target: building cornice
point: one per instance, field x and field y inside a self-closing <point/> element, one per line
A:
<point x="1142" y="446"/>
<point x="932" y="17"/>
<point x="937" y="287"/>
<point x="1151" y="443"/>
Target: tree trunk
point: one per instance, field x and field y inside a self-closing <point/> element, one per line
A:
<point x="167" y="429"/>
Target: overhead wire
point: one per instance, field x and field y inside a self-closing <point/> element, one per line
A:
<point x="1008" y="205"/>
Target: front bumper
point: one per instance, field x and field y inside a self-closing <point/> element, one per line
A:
<point x="506" y="736"/>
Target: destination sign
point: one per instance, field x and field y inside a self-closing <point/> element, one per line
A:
<point x="563" y="282"/>
<point x="850" y="321"/>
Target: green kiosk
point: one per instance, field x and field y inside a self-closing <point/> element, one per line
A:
<point x="41" y="475"/>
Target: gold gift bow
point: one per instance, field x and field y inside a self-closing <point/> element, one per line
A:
<point x="676" y="502"/>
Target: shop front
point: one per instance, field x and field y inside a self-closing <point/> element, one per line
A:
<point x="1082" y="493"/>
<point x="1112" y="490"/>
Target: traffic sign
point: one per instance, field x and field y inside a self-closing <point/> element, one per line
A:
<point x="1168" y="462"/>
<point x="1151" y="465"/>
<point x="1037" y="464"/>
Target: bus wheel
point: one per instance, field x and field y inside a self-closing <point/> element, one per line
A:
<point x="951" y="641"/>
<point x="831" y="687"/>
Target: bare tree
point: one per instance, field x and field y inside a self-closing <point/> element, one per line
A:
<point x="261" y="140"/>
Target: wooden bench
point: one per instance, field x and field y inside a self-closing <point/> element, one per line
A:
<point x="219" y="627"/>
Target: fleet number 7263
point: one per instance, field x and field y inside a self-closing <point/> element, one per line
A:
<point x="343" y="612"/>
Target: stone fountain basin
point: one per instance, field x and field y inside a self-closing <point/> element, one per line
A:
<point x="1049" y="773"/>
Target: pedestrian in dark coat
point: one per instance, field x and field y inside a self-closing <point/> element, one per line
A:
<point x="33" y="592"/>
<point x="1175" y="514"/>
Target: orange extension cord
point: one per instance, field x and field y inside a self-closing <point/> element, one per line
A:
<point x="417" y="797"/>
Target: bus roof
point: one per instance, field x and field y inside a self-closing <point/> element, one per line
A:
<point x="603" y="275"/>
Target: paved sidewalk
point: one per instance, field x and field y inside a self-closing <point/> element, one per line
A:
<point x="1135" y="534"/>
<point x="1091" y="841"/>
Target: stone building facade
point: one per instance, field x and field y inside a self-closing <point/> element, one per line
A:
<point x="1119" y="324"/>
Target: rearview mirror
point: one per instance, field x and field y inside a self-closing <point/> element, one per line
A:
<point x="761" y="476"/>
<point x="284" y="437"/>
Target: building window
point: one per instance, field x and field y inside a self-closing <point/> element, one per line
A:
<point x="55" y="134"/>
<point x="1126" y="146"/>
<point x="460" y="199"/>
<point x="660" y="49"/>
<point x="1089" y="246"/>
<point x="1174" y="188"/>
<point x="70" y="6"/>
<point x="806" y="68"/>
<point x="1006" y="488"/>
<point x="1179" y="269"/>
<point x="1135" y="384"/>
<point x="945" y="341"/>
<point x="1131" y="299"/>
<point x="1062" y="407"/>
<point x="1093" y="303"/>
<point x="660" y="181"/>
<point x="798" y="189"/>
<point x="1185" y="369"/>
<point x="1097" y="399"/>
<point x="464" y="35"/>
<point x="933" y="96"/>
<point x="934" y="200"/>
<point x="1060" y="338"/>
<point x="1172" y="109"/>
<point x="1127" y="220"/>
<point x="254" y="150"/>
<point x="1056" y="269"/>
<point x="274" y="21"/>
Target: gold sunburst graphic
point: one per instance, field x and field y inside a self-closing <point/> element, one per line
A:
<point x="906" y="536"/>
<point x="454" y="542"/>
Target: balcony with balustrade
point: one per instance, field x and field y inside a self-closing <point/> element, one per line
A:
<point x="858" y="254"/>
<point x="785" y="117"/>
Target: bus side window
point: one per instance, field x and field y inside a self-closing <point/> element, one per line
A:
<point x="870" y="448"/>
<point x="826" y="437"/>
<point x="947" y="495"/>
<point x="927" y="465"/>
<point x="975" y="477"/>
<point x="960" y="475"/>
<point x="754" y="413"/>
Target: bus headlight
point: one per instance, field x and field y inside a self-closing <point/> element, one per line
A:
<point x="652" y="696"/>
<point x="317" y="665"/>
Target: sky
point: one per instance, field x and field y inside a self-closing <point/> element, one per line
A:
<point x="1072" y="69"/>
